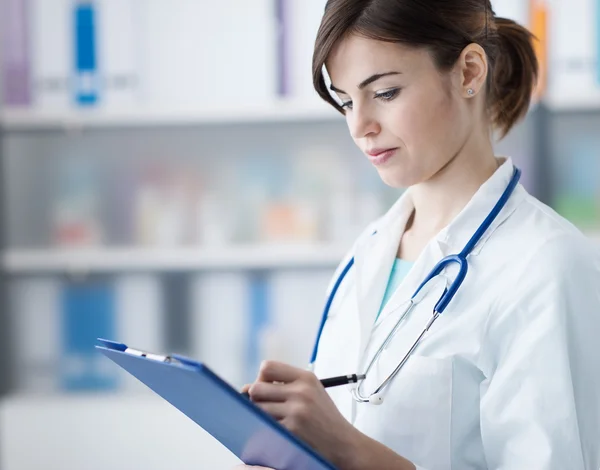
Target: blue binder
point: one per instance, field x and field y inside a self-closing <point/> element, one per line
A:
<point x="246" y="430"/>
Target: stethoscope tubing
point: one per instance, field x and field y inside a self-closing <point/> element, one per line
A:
<point x="447" y="296"/>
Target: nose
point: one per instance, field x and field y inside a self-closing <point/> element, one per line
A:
<point x="362" y="123"/>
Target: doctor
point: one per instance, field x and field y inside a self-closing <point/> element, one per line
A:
<point x="508" y="376"/>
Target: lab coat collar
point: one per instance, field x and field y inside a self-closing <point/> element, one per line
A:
<point x="454" y="237"/>
<point x="375" y="257"/>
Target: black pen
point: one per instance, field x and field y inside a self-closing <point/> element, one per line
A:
<point x="342" y="380"/>
<point x="334" y="381"/>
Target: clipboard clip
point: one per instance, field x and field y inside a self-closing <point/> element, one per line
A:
<point x="152" y="356"/>
<point x="170" y="359"/>
<point x="136" y="352"/>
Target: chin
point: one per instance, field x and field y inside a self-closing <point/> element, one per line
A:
<point x="396" y="178"/>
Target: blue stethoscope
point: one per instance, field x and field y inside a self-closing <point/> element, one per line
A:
<point x="376" y="397"/>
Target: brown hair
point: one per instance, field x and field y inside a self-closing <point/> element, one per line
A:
<point x="445" y="28"/>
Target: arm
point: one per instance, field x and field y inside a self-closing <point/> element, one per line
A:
<point x="540" y="403"/>
<point x="366" y="452"/>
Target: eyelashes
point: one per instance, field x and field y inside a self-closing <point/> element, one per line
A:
<point x="387" y="95"/>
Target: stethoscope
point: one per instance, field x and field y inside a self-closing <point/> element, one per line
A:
<point x="449" y="292"/>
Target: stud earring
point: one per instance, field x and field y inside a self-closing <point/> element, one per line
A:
<point x="470" y="92"/>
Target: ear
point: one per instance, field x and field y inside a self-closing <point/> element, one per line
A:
<point x="472" y="70"/>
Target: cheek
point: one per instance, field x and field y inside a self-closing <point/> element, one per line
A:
<point x="429" y="127"/>
<point x="433" y="128"/>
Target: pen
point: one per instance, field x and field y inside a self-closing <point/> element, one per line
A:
<point x="342" y="380"/>
<point x="334" y="381"/>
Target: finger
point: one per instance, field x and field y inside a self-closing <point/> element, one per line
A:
<point x="273" y="371"/>
<point x="276" y="410"/>
<point x="245" y="388"/>
<point x="269" y="392"/>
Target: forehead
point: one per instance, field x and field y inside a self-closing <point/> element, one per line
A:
<point x="355" y="58"/>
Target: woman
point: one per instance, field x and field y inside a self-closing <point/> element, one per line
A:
<point x="508" y="377"/>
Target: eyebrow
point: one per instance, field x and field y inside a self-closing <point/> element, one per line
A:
<point x="367" y="82"/>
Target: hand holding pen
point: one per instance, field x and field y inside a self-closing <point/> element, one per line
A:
<point x="298" y="400"/>
<point x="329" y="382"/>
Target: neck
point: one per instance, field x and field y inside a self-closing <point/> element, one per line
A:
<point x="440" y="199"/>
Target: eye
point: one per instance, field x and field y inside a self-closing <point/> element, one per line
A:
<point x="388" y="95"/>
<point x="347" y="104"/>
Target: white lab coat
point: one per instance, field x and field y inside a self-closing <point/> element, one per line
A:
<point x="509" y="376"/>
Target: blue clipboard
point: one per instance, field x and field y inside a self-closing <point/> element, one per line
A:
<point x="237" y="423"/>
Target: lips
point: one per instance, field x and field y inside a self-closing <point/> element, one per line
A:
<point x="378" y="151"/>
<point x="378" y="156"/>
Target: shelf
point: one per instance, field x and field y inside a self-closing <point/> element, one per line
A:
<point x="177" y="259"/>
<point x="589" y="103"/>
<point x="284" y="111"/>
<point x="22" y="261"/>
<point x="23" y="119"/>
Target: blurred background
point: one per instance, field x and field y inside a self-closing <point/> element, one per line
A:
<point x="171" y="180"/>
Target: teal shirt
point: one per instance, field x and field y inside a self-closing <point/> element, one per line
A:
<point x="399" y="272"/>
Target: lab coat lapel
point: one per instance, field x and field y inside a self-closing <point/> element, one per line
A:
<point x="430" y="255"/>
<point x="374" y="260"/>
<point x="450" y="240"/>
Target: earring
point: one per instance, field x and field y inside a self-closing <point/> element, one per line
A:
<point x="470" y="92"/>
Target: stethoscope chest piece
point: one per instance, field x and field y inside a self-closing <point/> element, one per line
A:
<point x="373" y="399"/>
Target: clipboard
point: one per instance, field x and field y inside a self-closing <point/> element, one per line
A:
<point x="190" y="386"/>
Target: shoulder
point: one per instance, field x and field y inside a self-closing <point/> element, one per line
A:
<point x="548" y="292"/>
<point x="545" y="244"/>
<point x="553" y="268"/>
